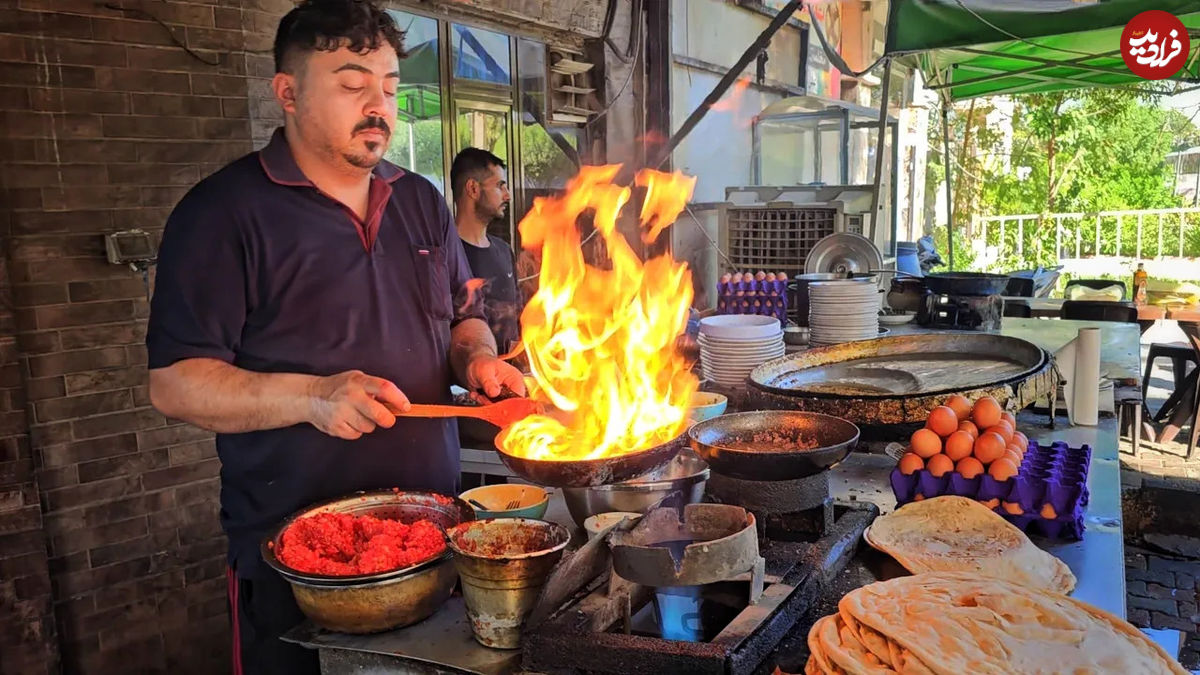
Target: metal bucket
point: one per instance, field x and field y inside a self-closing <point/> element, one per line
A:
<point x="503" y="564"/>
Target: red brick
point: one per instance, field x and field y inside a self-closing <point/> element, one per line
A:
<point x="113" y="423"/>
<point x="202" y="492"/>
<point x="176" y="105"/>
<point x="153" y="174"/>
<point x="32" y="74"/>
<point x="90" y="493"/>
<point x="114" y="102"/>
<point x="24" y="542"/>
<point x="89" y="197"/>
<point x="173" y="58"/>
<point x="90" y="151"/>
<point x="73" y="541"/>
<point x="185" y="473"/>
<point x="114" y="289"/>
<point x="193" y="452"/>
<point x="141" y="396"/>
<point x="29" y="295"/>
<point x="70" y="563"/>
<point x="77" y="125"/>
<point x="228" y="17"/>
<point x="151" y="219"/>
<point x="260" y="66"/>
<point x="72" y="269"/>
<point x="130" y="32"/>
<point x="216" y="39"/>
<point x="13" y="423"/>
<point x="124" y="465"/>
<point x="16" y="98"/>
<point x="84" y="314"/>
<point x="163" y="196"/>
<point x="168" y="583"/>
<point x="16" y="472"/>
<point x="136" y="354"/>
<point x="234" y="108"/>
<point x="135" y="126"/>
<point x="43" y="23"/>
<point x="224" y="129"/>
<point x="171" y="435"/>
<point x="218" y="85"/>
<point x="56" y="246"/>
<point x="209" y="569"/>
<point x="186" y="151"/>
<point x="76" y="361"/>
<point x="105" y="380"/>
<point x="133" y="332"/>
<point x="41" y="175"/>
<point x="45" y="436"/>
<point x="19" y="149"/>
<point x="133" y="79"/>
<point x="46" y="387"/>
<point x="71" y="407"/>
<point x="23" y="520"/>
<point x="32" y="586"/>
<point x="120" y="551"/>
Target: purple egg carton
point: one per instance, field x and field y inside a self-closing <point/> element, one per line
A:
<point x="765" y="298"/>
<point x="1051" y="481"/>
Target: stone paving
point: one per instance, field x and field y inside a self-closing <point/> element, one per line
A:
<point x="1161" y="593"/>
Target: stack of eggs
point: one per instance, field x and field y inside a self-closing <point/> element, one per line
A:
<point x="762" y="293"/>
<point x="968" y="439"/>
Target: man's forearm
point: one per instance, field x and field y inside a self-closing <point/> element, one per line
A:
<point x="470" y="338"/>
<point x="220" y="397"/>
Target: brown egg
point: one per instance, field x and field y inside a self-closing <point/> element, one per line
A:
<point x="1013" y="508"/>
<point x="1010" y="418"/>
<point x="960" y="444"/>
<point x="925" y="443"/>
<point x="942" y="421"/>
<point x="1004" y="430"/>
<point x="1002" y="469"/>
<point x="911" y="463"/>
<point x="1021" y="440"/>
<point x="748" y="276"/>
<point x="1048" y="511"/>
<point x="1013" y="456"/>
<point x="960" y="405"/>
<point x="992" y="503"/>
<point x="939" y="465"/>
<point x="760" y="275"/>
<point x="969" y="427"/>
<point x="986" y="412"/>
<point x="726" y="278"/>
<point x="989" y="447"/>
<point x="781" y="276"/>
<point x="969" y="467"/>
<point x="918" y="497"/>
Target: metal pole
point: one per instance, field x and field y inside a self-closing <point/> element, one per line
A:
<point x="949" y="199"/>
<point x="881" y="130"/>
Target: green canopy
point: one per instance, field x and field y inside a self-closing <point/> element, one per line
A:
<point x="970" y="48"/>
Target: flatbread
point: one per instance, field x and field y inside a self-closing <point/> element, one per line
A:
<point x="957" y="622"/>
<point x="949" y="534"/>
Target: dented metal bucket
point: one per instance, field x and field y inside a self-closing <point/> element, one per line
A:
<point x="503" y="564"/>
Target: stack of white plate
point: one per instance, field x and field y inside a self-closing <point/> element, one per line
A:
<point x="842" y="311"/>
<point x="731" y="345"/>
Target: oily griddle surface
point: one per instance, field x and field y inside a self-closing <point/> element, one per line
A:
<point x="902" y="365"/>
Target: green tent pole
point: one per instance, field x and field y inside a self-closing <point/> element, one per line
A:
<point x="881" y="139"/>
<point x="949" y="200"/>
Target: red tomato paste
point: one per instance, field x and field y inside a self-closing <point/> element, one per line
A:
<point x="340" y="544"/>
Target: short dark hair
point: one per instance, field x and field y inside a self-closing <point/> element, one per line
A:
<point x="468" y="164"/>
<point x="326" y="25"/>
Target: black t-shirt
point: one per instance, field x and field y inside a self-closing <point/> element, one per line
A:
<point x="495" y="265"/>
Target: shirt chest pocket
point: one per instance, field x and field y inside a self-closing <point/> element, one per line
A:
<point x="433" y="278"/>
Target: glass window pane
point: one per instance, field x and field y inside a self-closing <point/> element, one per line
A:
<point x="487" y="129"/>
<point x="417" y="140"/>
<point x="479" y="54"/>
<point x="546" y="165"/>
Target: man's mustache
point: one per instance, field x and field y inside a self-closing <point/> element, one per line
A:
<point x="373" y="123"/>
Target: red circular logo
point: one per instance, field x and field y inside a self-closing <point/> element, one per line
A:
<point x="1155" y="44"/>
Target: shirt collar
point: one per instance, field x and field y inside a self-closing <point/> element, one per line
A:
<point x="279" y="165"/>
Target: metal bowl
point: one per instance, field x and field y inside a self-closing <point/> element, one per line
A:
<point x="371" y="603"/>
<point x="686" y="473"/>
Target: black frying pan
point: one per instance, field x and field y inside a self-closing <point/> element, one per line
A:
<point x="966" y="283"/>
<point x="593" y="472"/>
<point x="717" y="440"/>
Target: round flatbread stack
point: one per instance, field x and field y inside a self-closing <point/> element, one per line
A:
<point x="949" y="623"/>
<point x="950" y="534"/>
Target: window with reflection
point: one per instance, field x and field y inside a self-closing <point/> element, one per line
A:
<point x="417" y="140"/>
<point x="478" y="54"/>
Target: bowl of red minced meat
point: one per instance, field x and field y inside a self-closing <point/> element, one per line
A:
<point x="371" y="561"/>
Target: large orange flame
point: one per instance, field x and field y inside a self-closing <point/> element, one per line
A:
<point x="601" y="342"/>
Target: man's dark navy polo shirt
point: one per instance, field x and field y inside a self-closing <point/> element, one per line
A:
<point x="261" y="269"/>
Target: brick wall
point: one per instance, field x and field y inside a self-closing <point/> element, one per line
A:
<point x="111" y="556"/>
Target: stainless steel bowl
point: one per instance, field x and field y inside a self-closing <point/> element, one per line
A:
<point x="372" y="603"/>
<point x="686" y="473"/>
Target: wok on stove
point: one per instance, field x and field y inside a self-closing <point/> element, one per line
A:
<point x="765" y="444"/>
<point x="592" y="472"/>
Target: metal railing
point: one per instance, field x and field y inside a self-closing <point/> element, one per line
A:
<point x="1107" y="233"/>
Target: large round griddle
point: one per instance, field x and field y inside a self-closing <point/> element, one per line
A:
<point x="900" y="379"/>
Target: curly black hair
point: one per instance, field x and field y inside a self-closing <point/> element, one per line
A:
<point x="326" y="25"/>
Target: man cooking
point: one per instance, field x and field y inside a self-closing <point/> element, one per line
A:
<point x="305" y="294"/>
<point x="481" y="196"/>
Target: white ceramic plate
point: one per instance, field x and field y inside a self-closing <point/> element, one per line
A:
<point x="740" y="326"/>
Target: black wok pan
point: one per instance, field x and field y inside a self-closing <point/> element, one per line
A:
<point x="593" y="472"/>
<point x="717" y="440"/>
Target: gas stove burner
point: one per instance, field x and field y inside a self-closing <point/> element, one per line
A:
<point x="962" y="312"/>
<point x="787" y="510"/>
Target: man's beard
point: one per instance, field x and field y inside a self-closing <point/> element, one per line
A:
<point x="375" y="149"/>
